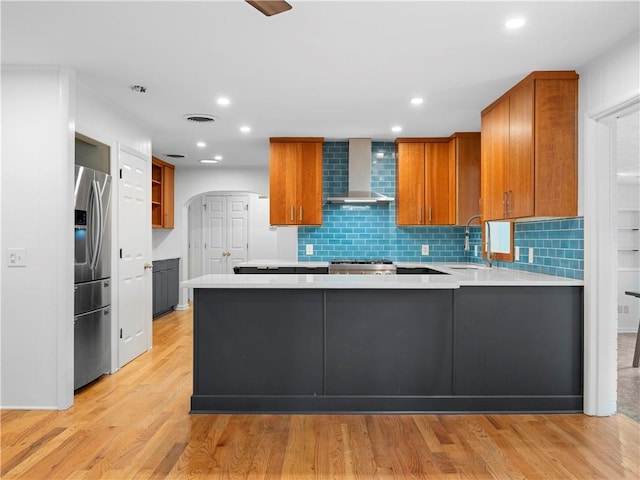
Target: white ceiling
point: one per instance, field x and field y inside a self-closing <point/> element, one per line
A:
<point x="332" y="69"/>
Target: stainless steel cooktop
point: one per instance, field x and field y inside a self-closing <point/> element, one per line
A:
<point x="376" y="266"/>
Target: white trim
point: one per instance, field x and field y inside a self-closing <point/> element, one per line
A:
<point x="600" y="329"/>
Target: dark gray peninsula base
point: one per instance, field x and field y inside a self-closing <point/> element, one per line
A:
<point x="508" y="349"/>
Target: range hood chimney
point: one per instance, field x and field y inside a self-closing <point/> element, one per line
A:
<point x="359" y="176"/>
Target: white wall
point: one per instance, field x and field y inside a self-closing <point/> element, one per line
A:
<point x="37" y="206"/>
<point x="41" y="109"/>
<point x="103" y="121"/>
<point x="193" y="181"/>
<point x="604" y="81"/>
<point x="609" y="80"/>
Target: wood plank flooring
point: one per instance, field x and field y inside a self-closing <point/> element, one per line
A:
<point x="135" y="424"/>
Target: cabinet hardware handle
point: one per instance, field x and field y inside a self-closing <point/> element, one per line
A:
<point x="148" y="266"/>
<point x="419" y="214"/>
<point x="292" y="213"/>
<point x="504" y="203"/>
<point x="509" y="202"/>
<point x="429" y="214"/>
<point x="300" y="212"/>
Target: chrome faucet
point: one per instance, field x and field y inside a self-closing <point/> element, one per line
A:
<point x="489" y="252"/>
<point x="466" y="231"/>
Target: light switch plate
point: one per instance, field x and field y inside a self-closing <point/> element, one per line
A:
<point x="309" y="249"/>
<point x="425" y="249"/>
<point x="530" y="254"/>
<point x="475" y="250"/>
<point x="517" y="253"/>
<point x="16" y="257"/>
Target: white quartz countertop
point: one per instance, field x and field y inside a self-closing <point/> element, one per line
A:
<point x="460" y="275"/>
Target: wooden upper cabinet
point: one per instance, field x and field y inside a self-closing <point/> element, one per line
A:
<point x="464" y="190"/>
<point x="439" y="204"/>
<point x="494" y="154"/>
<point x="410" y="183"/>
<point x="529" y="149"/>
<point x="437" y="179"/>
<point x="162" y="193"/>
<point x="295" y="181"/>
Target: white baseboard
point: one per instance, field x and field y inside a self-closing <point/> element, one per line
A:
<point x="627" y="330"/>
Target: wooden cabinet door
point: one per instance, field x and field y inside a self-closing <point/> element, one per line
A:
<point x="520" y="175"/>
<point x="162" y="193"/>
<point x="464" y="158"/>
<point x="282" y="183"/>
<point x="308" y="210"/>
<point x="168" y="179"/>
<point x="439" y="203"/>
<point x="295" y="180"/>
<point x="494" y="153"/>
<point x="410" y="182"/>
<point x="556" y="147"/>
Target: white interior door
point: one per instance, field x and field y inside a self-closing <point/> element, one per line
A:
<point x="224" y="228"/>
<point x="237" y="207"/>
<point x="214" y="248"/>
<point x="134" y="244"/>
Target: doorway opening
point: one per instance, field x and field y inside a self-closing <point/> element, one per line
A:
<point x="625" y="141"/>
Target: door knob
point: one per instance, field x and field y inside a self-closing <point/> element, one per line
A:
<point x="148" y="266"/>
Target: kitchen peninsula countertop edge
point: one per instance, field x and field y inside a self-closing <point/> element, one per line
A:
<point x="458" y="277"/>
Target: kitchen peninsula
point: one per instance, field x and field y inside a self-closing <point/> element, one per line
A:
<point x="470" y="339"/>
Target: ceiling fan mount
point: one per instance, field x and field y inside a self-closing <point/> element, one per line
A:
<point x="270" y="7"/>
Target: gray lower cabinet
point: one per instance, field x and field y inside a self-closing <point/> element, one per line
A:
<point x="258" y="342"/>
<point x="519" y="341"/>
<point x="516" y="349"/>
<point x="166" y="276"/>
<point x="388" y="343"/>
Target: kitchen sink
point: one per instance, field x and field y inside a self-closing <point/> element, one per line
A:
<point x="468" y="267"/>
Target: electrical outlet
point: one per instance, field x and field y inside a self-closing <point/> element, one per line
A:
<point x="517" y="253"/>
<point x="17" y="257"/>
<point x="530" y="254"/>
<point x="309" y="249"/>
<point x="425" y="249"/>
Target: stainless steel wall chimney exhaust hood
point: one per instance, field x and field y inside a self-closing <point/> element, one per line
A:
<point x="359" y="177"/>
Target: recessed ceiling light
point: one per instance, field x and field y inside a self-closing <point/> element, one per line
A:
<point x="201" y="144"/>
<point x="224" y="101"/>
<point x="417" y="101"/>
<point x="396" y="128"/>
<point x="218" y="157"/>
<point x="208" y="160"/>
<point x="514" y="23"/>
<point x="245" y="129"/>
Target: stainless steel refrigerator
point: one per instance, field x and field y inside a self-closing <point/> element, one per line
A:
<point x="92" y="304"/>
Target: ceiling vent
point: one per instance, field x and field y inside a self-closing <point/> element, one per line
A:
<point x="200" y="118"/>
<point x="174" y="155"/>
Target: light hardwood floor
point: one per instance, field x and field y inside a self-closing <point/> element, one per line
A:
<point x="135" y="424"/>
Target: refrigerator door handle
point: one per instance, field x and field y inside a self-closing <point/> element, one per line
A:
<point x="97" y="228"/>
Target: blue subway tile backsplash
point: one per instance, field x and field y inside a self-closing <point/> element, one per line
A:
<point x="369" y="231"/>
